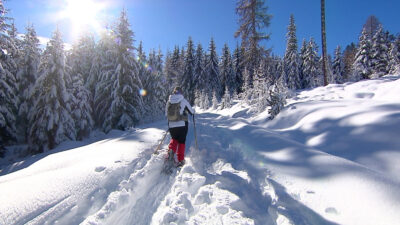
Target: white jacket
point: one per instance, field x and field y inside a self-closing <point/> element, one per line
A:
<point x="176" y="98"/>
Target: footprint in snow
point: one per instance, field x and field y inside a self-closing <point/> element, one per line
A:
<point x="331" y="210"/>
<point x="99" y="169"/>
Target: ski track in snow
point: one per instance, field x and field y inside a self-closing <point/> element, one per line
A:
<point x="214" y="187"/>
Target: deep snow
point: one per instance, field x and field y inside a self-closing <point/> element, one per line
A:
<point x="330" y="157"/>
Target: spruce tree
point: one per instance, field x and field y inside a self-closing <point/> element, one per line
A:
<point x="50" y="119"/>
<point x="311" y="70"/>
<point x="102" y="78"/>
<point x="394" y="61"/>
<point x="226" y="71"/>
<point x="362" y="62"/>
<point x="174" y="69"/>
<point x="260" y="93"/>
<point x="214" y="100"/>
<point x="379" y="54"/>
<point x="188" y="76"/>
<point x="226" y="101"/>
<point x="212" y="77"/>
<point x="199" y="67"/>
<point x="127" y="103"/>
<point x="142" y="63"/>
<point x="247" y="88"/>
<point x="26" y="76"/>
<point x="81" y="57"/>
<point x="291" y="58"/>
<point x="81" y="108"/>
<point x="8" y="86"/>
<point x="168" y="71"/>
<point x="237" y="64"/>
<point x="155" y="95"/>
<point x="302" y="67"/>
<point x="338" y="66"/>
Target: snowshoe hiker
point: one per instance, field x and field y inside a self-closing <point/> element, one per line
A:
<point x="176" y="110"/>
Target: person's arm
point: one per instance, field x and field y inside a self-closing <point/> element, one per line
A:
<point x="188" y="107"/>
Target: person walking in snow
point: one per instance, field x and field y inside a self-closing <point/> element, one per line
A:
<point x="177" y="110"/>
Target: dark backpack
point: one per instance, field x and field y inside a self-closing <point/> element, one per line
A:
<point x="173" y="111"/>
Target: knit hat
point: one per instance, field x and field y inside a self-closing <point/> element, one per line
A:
<point x="177" y="90"/>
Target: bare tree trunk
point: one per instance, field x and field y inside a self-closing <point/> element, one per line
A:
<point x="323" y="32"/>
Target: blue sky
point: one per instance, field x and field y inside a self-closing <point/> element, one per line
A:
<point x="166" y="23"/>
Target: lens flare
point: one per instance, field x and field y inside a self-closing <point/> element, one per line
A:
<point x="143" y="92"/>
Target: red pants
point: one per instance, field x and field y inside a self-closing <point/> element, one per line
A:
<point x="178" y="148"/>
<point x="177" y="143"/>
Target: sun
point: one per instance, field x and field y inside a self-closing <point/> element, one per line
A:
<point x="83" y="15"/>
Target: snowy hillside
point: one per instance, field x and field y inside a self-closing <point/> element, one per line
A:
<point x="330" y="157"/>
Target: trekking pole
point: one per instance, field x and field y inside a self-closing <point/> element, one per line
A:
<point x="161" y="142"/>
<point x="195" y="135"/>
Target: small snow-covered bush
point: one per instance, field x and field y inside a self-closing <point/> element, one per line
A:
<point x="277" y="100"/>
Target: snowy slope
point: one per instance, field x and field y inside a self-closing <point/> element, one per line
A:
<point x="331" y="157"/>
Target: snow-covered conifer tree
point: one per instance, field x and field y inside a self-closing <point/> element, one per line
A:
<point x="237" y="64"/>
<point x="226" y="71"/>
<point x="143" y="66"/>
<point x="247" y="88"/>
<point x="338" y="66"/>
<point x="394" y="55"/>
<point x="198" y="98"/>
<point x="154" y="99"/>
<point x="278" y="93"/>
<point x="205" y="99"/>
<point x="302" y="60"/>
<point x="81" y="57"/>
<point x="50" y="118"/>
<point x="362" y="63"/>
<point x="199" y="66"/>
<point x="80" y="107"/>
<point x="277" y="101"/>
<point x="212" y="71"/>
<point x="291" y="58"/>
<point x="127" y="104"/>
<point x="188" y="76"/>
<point x="8" y="104"/>
<point x="174" y="69"/>
<point x="214" y="100"/>
<point x="8" y="86"/>
<point x="380" y="56"/>
<point x="26" y="76"/>
<point x="226" y="101"/>
<point x="260" y="93"/>
<point x="311" y="71"/>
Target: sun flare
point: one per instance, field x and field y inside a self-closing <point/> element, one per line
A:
<point x="83" y="15"/>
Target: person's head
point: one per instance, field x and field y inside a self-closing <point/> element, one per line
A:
<point x="177" y="90"/>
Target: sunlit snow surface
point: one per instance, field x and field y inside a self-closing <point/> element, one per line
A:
<point x="330" y="157"/>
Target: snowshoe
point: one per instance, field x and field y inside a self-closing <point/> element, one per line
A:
<point x="169" y="163"/>
<point x="180" y="163"/>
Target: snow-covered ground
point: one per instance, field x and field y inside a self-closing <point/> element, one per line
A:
<point x="330" y="157"/>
